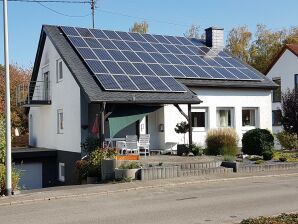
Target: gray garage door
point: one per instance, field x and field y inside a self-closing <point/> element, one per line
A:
<point x="31" y="175"/>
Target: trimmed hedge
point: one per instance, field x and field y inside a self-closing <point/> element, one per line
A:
<point x="257" y="141"/>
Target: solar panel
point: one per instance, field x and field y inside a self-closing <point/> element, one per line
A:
<point x="129" y="57"/>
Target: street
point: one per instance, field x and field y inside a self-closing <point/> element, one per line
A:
<point x="214" y="202"/>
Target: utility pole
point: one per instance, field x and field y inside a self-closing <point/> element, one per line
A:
<point x="93" y="13"/>
<point x="7" y="103"/>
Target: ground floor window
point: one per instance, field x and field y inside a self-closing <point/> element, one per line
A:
<point x="199" y="117"/>
<point x="224" y="117"/>
<point x="61" y="172"/>
<point x="249" y="117"/>
<point x="276" y="117"/>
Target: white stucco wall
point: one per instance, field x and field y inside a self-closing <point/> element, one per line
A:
<point x="285" y="68"/>
<point x="212" y="99"/>
<point x="65" y="95"/>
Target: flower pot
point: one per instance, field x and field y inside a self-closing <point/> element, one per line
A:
<point x="91" y="180"/>
<point x="126" y="174"/>
<point x="108" y="169"/>
<point x="182" y="149"/>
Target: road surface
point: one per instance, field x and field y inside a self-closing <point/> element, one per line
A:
<point x="215" y="202"/>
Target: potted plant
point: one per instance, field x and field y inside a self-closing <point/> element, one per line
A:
<point x="182" y="128"/>
<point x="127" y="171"/>
<point x="108" y="164"/>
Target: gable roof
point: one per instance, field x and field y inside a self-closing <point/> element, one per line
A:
<point x="291" y="47"/>
<point x="94" y="93"/>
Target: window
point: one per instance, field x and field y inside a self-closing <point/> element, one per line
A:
<point x="61" y="172"/>
<point x="277" y="92"/>
<point x="296" y="82"/>
<point x="60" y="125"/>
<point x="59" y="69"/>
<point x="224" y="118"/>
<point x="199" y="117"/>
<point x="276" y="117"/>
<point x="248" y="117"/>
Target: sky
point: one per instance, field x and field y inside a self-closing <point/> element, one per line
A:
<point x="170" y="17"/>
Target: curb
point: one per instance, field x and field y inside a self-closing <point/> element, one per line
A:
<point x="107" y="193"/>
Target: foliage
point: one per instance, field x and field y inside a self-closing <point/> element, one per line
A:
<point x="289" y="105"/>
<point x="193" y="32"/>
<point x="256" y="141"/>
<point x="82" y="168"/>
<point x="130" y="165"/>
<point x="15" y="178"/>
<point x="290" y="156"/>
<point x="18" y="75"/>
<point x="259" y="161"/>
<point x="197" y="150"/>
<point x="222" y="141"/>
<point x="287" y="140"/>
<point x="182" y="127"/>
<point x="91" y="143"/>
<point x="2" y="141"/>
<point x="281" y="219"/>
<point x="229" y="158"/>
<point x="267" y="155"/>
<point x="142" y="27"/>
<point x="282" y="159"/>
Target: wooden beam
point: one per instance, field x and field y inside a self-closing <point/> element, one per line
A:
<point x="102" y="124"/>
<point x="181" y="111"/>
<point x="190" y="125"/>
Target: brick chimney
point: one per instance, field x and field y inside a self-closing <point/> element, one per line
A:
<point x="215" y="37"/>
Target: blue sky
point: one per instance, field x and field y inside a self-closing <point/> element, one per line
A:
<point x="26" y="19"/>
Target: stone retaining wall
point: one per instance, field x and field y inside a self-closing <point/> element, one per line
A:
<point x="267" y="167"/>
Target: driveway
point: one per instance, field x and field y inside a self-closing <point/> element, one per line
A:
<point x="215" y="202"/>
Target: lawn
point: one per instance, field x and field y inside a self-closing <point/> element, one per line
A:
<point x="291" y="156"/>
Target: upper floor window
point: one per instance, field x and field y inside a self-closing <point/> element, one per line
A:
<point x="224" y="117"/>
<point x="249" y="117"/>
<point x="296" y="82"/>
<point x="276" y="117"/>
<point x="277" y="92"/>
<point x="60" y="122"/>
<point x="59" y="69"/>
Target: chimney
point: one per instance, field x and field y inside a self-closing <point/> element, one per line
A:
<point x="215" y="37"/>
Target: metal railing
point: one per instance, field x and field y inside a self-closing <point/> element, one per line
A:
<point x="33" y="93"/>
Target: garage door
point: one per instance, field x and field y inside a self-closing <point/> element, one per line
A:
<point x="31" y="175"/>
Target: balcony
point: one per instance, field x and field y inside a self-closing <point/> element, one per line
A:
<point x="33" y="94"/>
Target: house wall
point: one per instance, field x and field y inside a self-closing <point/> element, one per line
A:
<point x="213" y="98"/>
<point x="285" y="68"/>
<point x="65" y="95"/>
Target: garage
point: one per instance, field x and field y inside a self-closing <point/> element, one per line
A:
<point x="31" y="175"/>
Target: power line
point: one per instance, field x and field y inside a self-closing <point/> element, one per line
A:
<point x="60" y="13"/>
<point x="52" y="1"/>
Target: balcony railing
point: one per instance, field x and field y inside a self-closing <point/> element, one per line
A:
<point x="34" y="93"/>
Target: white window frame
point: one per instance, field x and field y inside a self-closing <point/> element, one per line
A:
<point x="60" y="176"/>
<point x="58" y="71"/>
<point x="232" y="111"/>
<point x="200" y="109"/>
<point x="248" y="127"/>
<point x="59" y="129"/>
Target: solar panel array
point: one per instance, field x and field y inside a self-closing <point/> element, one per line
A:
<point x="143" y="62"/>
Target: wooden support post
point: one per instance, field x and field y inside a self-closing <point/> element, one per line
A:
<point x="102" y="124"/>
<point x="190" y="125"/>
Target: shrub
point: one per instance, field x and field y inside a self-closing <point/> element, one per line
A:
<point x="15" y="178"/>
<point x="130" y="165"/>
<point x="82" y="169"/>
<point x="287" y="140"/>
<point x="256" y="141"/>
<point x="260" y="161"/>
<point x="268" y="155"/>
<point x="229" y="158"/>
<point x="222" y="141"/>
<point x="91" y="144"/>
<point x="281" y="219"/>
<point x="282" y="159"/>
<point x="197" y="150"/>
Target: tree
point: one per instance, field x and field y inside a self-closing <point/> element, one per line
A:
<point x="18" y="75"/>
<point x="289" y="107"/>
<point x="140" y="27"/>
<point x="182" y="128"/>
<point x="238" y="43"/>
<point x="193" y="32"/>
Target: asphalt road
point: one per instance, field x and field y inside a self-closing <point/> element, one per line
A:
<point x="215" y="202"/>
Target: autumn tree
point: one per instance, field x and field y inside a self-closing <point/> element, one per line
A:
<point x="140" y="27"/>
<point x="193" y="32"/>
<point x="18" y="75"/>
<point x="289" y="105"/>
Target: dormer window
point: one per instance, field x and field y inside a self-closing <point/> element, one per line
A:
<point x="59" y="69"/>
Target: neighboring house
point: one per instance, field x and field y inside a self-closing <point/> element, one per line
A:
<point x="137" y="83"/>
<point x="284" y="72"/>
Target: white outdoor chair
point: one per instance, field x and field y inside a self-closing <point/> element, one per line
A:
<point x="121" y="145"/>
<point x="132" y="144"/>
<point x="144" y="143"/>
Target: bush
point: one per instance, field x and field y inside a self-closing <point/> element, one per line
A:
<point x="229" y="158"/>
<point x="268" y="155"/>
<point x="282" y="159"/>
<point x="130" y="165"/>
<point x="91" y="144"/>
<point x="15" y="178"/>
<point x="82" y="169"/>
<point x="197" y="150"/>
<point x="260" y="161"/>
<point x="257" y="141"/>
<point x="222" y="141"/>
<point x="281" y="219"/>
<point x="287" y="140"/>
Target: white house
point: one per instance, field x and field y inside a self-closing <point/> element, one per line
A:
<point x="284" y="72"/>
<point x="137" y="83"/>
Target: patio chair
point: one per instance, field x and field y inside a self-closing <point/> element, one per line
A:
<point x="121" y="145"/>
<point x="144" y="143"/>
<point x="132" y="144"/>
